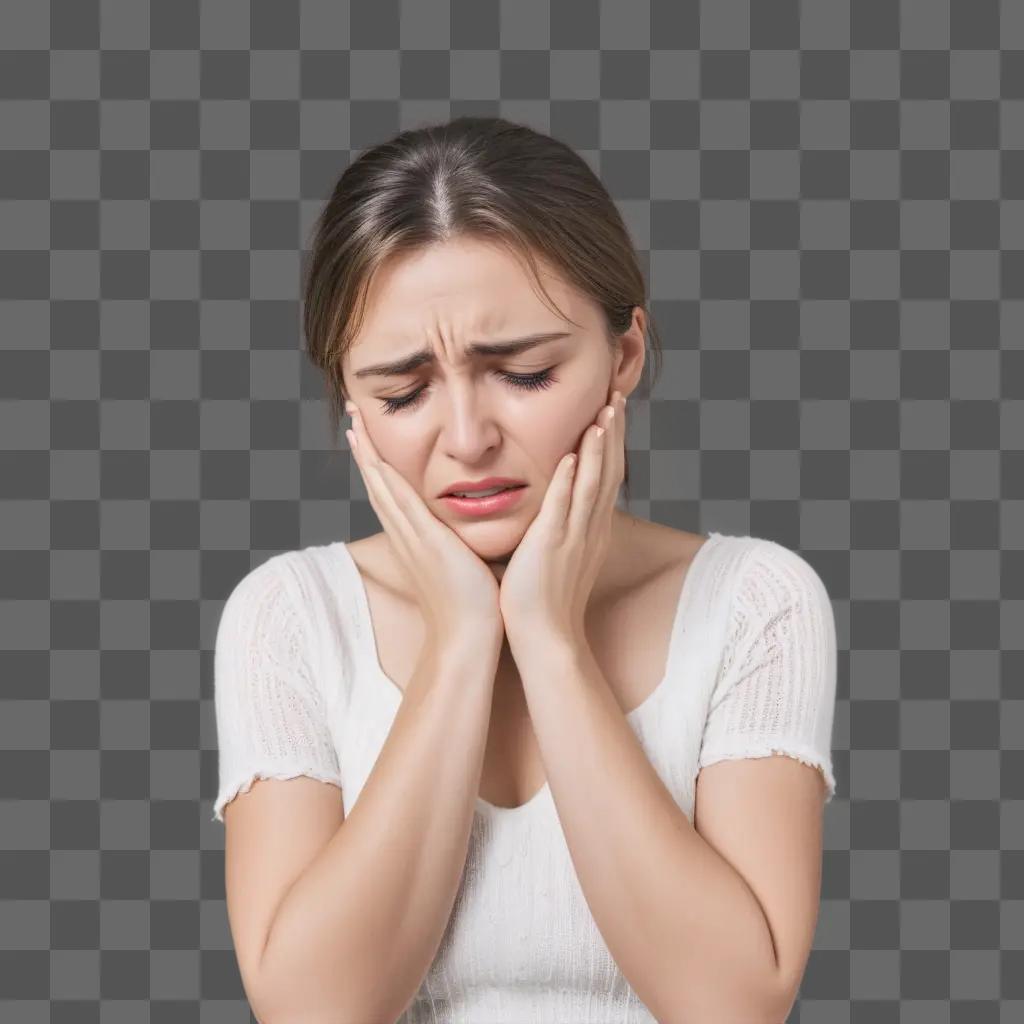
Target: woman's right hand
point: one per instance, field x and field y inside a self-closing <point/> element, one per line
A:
<point x="456" y="590"/>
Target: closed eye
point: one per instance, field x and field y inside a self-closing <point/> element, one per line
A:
<point x="525" y="382"/>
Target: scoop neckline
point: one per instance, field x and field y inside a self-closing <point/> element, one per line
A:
<point x="370" y="657"/>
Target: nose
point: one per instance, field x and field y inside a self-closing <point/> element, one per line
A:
<point x="469" y="428"/>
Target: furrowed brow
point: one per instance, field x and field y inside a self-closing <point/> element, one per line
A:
<point x="407" y="364"/>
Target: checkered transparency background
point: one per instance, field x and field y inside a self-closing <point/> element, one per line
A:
<point x="828" y="201"/>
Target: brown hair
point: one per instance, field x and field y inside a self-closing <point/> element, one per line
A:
<point x="471" y="177"/>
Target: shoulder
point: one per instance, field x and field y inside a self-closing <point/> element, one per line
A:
<point x="746" y="579"/>
<point x="655" y="550"/>
<point x="283" y="584"/>
<point x="372" y="556"/>
<point x="258" y="614"/>
<point x="776" y="600"/>
<point x="260" y="586"/>
<point x="274" y="624"/>
<point x="666" y="553"/>
<point x="769" y="575"/>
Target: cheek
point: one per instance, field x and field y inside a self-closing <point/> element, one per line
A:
<point x="553" y="435"/>
<point x="392" y="441"/>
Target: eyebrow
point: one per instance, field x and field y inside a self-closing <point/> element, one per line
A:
<point x="425" y="356"/>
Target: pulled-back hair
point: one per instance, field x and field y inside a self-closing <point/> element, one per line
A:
<point x="482" y="178"/>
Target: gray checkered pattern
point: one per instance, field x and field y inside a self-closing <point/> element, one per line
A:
<point x="829" y="201"/>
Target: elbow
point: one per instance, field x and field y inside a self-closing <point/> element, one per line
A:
<point x="270" y="1011"/>
<point x="729" y="1015"/>
<point x="775" y="1005"/>
<point x="771" y="1006"/>
<point x="299" y="1016"/>
<point x="278" y="994"/>
<point x="784" y="990"/>
<point x="295" y="1006"/>
<point x="785" y="999"/>
<point x="734" y="1004"/>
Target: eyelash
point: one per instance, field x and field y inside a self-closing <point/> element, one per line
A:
<point x="526" y="381"/>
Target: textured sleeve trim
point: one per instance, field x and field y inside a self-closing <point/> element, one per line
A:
<point x="233" y="787"/>
<point x="735" y="750"/>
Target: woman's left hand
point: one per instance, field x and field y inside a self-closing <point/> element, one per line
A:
<point x="546" y="585"/>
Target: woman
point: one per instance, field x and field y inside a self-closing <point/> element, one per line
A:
<point x="514" y="700"/>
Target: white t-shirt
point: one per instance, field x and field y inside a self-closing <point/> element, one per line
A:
<point x="299" y="690"/>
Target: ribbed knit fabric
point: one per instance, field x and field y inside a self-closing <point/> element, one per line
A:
<point x="299" y="690"/>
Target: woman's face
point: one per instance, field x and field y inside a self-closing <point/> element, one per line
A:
<point x="464" y="416"/>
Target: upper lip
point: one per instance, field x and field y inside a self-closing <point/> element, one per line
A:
<point x="481" y="485"/>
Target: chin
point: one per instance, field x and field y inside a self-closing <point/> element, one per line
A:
<point x="497" y="547"/>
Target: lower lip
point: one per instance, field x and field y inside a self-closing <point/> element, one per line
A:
<point x="485" y="506"/>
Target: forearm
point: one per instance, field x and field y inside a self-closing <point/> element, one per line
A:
<point x="681" y="923"/>
<point x="356" y="934"/>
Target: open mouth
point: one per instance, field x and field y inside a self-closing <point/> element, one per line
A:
<point x="498" y="501"/>
<point x="484" y="494"/>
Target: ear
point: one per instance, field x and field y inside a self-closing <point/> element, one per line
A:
<point x="630" y="355"/>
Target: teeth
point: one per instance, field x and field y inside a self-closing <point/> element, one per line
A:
<point x="478" y="494"/>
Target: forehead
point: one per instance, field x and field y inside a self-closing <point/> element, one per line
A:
<point x="455" y="292"/>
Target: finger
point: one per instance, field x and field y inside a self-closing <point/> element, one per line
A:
<point x="615" y="457"/>
<point x="555" y="506"/>
<point x="620" y="451"/>
<point x="379" y="484"/>
<point x="410" y="516"/>
<point x="587" y="486"/>
<point x="362" y="454"/>
<point x="610" y="464"/>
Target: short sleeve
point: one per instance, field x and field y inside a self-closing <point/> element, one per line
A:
<point x="271" y="716"/>
<point x="776" y="689"/>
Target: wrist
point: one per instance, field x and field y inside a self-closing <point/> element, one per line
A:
<point x="472" y="640"/>
<point x="544" y="644"/>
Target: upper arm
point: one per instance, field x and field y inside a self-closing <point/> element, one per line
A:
<point x="764" y="816"/>
<point x="775" y="695"/>
<point x="272" y="833"/>
<point x="275" y="754"/>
